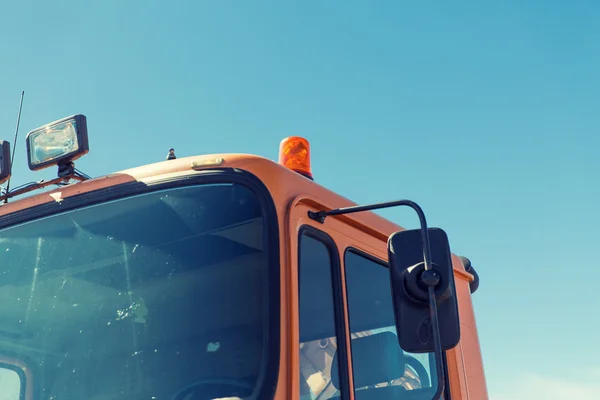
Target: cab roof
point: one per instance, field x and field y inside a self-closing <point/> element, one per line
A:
<point x="267" y="170"/>
<point x="286" y="183"/>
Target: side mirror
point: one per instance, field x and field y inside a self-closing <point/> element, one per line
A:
<point x="410" y="292"/>
<point x="4" y="161"/>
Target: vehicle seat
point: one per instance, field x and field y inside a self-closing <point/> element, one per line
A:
<point x="376" y="359"/>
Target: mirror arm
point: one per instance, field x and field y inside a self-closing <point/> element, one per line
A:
<point x="429" y="276"/>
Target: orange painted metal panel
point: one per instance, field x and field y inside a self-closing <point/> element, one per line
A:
<point x="293" y="195"/>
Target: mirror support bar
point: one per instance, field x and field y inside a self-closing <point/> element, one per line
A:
<point x="429" y="277"/>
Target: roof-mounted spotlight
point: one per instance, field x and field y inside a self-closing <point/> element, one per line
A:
<point x="57" y="143"/>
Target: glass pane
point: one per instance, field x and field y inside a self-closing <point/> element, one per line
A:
<point x="141" y="297"/>
<point x="10" y="384"/>
<point x="379" y="364"/>
<point x="317" y="322"/>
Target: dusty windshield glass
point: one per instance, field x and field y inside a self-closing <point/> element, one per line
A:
<point x="157" y="296"/>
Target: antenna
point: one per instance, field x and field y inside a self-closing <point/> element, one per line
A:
<point x="12" y="157"/>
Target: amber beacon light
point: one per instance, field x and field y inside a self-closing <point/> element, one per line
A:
<point x="294" y="153"/>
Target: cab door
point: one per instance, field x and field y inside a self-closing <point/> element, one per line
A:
<point x="348" y="346"/>
<point x="322" y="341"/>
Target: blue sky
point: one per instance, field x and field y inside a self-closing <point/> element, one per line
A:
<point x="486" y="114"/>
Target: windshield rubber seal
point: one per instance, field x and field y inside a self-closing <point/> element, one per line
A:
<point x="268" y="376"/>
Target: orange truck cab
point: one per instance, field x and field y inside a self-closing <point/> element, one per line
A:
<point x="224" y="276"/>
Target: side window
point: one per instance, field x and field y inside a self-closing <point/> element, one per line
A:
<point x="319" y="372"/>
<point x="378" y="362"/>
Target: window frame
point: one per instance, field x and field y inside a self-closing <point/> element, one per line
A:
<point x="268" y="377"/>
<point x="341" y="331"/>
<point x="377" y="260"/>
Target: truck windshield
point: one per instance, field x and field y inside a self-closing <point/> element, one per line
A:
<point x="155" y="296"/>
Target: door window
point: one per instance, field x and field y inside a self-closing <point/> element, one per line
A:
<point x="378" y="362"/>
<point x="319" y="368"/>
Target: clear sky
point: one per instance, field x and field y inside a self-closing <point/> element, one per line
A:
<point x="486" y="114"/>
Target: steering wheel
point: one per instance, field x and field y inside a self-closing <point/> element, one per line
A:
<point x="217" y="390"/>
<point x="419" y="369"/>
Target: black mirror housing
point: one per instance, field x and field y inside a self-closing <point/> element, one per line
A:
<point x="410" y="293"/>
<point x="5" y="161"/>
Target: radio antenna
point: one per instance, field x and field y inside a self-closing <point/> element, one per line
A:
<point x="12" y="157"/>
